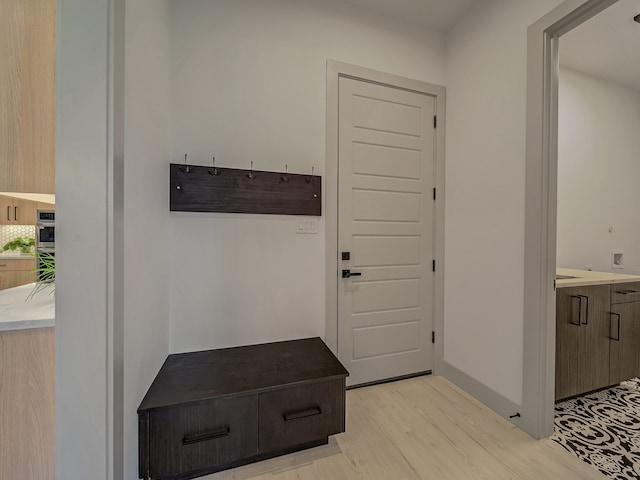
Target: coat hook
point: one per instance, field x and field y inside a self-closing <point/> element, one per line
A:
<point x="250" y="175"/>
<point x="186" y="168"/>
<point x="285" y="177"/>
<point x="310" y="178"/>
<point x="214" y="171"/>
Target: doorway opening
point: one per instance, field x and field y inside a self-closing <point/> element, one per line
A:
<point x="541" y="209"/>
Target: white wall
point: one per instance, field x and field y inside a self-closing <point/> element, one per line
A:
<point x="486" y="56"/>
<point x="146" y="215"/>
<point x="249" y="81"/>
<point x="598" y="172"/>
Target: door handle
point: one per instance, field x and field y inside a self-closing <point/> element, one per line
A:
<point x="619" y="318"/>
<point x="587" y="312"/>
<point x="579" y="298"/>
<point x="349" y="274"/>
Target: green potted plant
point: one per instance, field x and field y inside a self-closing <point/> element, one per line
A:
<point x="25" y="246"/>
<point x="46" y="274"/>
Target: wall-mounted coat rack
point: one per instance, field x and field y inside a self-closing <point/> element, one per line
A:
<point x="231" y="190"/>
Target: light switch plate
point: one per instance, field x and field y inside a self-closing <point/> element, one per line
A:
<point x="307" y="226"/>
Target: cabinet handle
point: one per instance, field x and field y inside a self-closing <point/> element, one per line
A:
<point x="223" y="432"/>
<point x="8" y="214"/>
<point x="619" y="318"/>
<point x="587" y="310"/>
<point x="15" y="213"/>
<point x="628" y="292"/>
<point x="579" y="297"/>
<point x="310" y="412"/>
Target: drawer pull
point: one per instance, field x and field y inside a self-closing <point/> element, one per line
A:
<point x="311" y="412"/>
<point x="224" y="432"/>
<point x="628" y="292"/>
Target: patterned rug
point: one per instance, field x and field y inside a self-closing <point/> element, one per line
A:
<point x="603" y="429"/>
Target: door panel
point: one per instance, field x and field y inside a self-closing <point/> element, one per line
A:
<point x="386" y="161"/>
<point x="385" y="220"/>
<point x="387" y="251"/>
<point x="389" y="115"/>
<point x="386" y="340"/>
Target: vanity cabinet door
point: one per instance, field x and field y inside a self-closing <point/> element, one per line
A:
<point x="625" y="342"/>
<point x="593" y="354"/>
<point x="582" y="339"/>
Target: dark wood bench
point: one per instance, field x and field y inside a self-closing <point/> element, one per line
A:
<point x="218" y="409"/>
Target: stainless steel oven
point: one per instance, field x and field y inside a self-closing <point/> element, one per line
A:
<point x="46" y="230"/>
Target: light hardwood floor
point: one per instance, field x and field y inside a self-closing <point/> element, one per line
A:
<point x="422" y="428"/>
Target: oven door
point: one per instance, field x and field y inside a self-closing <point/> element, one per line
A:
<point x="46" y="233"/>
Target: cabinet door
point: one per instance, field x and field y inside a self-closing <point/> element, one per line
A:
<point x="24" y="212"/>
<point x="625" y="343"/>
<point x="567" y="341"/>
<point x="6" y="279"/>
<point x="27" y="96"/>
<point x="582" y="339"/>
<point x="593" y="353"/>
<point x="6" y="210"/>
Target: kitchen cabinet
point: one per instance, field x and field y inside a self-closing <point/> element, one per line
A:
<point x="582" y="339"/>
<point x="27" y="96"/>
<point x="16" y="271"/>
<point x="625" y="332"/>
<point x="45" y="206"/>
<point x="217" y="409"/>
<point x="17" y="211"/>
<point x="27" y="360"/>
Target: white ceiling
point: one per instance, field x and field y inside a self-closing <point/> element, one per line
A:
<point x="436" y="14"/>
<point x="607" y="46"/>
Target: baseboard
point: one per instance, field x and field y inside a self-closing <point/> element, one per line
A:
<point x="496" y="402"/>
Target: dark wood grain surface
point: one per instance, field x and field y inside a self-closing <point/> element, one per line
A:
<point x="625" y="292"/>
<point x="300" y="414"/>
<point x="625" y="354"/>
<point x="582" y="339"/>
<point x="232" y="191"/>
<point x="197" y="436"/>
<point x="593" y="356"/>
<point x="567" y="341"/>
<point x="194" y="376"/>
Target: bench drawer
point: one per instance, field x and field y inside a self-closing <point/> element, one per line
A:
<point x="298" y="415"/>
<point x="192" y="437"/>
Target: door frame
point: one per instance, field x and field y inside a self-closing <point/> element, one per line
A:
<point x="335" y="70"/>
<point x="541" y="210"/>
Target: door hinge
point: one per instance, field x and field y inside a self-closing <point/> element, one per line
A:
<point x="433" y="265"/>
<point x="435" y="121"/>
<point x="433" y="336"/>
<point x="434" y="193"/>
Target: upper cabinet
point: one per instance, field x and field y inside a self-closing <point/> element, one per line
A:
<point x="17" y="211"/>
<point x="27" y="96"/>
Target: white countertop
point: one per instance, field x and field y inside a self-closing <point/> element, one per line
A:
<point x="14" y="256"/>
<point x="18" y="313"/>
<point x="586" y="277"/>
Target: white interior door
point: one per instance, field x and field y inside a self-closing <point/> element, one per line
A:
<point x="386" y="224"/>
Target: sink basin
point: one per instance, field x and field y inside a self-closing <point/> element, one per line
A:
<point x="563" y="277"/>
